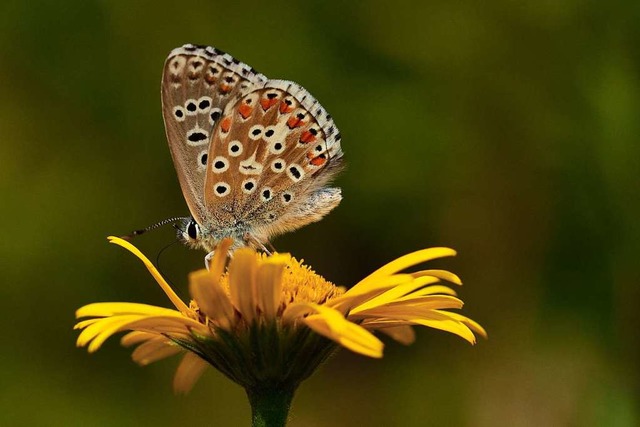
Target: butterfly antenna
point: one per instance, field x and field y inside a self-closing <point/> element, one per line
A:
<point x="151" y="227"/>
<point x="162" y="251"/>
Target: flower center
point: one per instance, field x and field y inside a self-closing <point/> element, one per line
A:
<point x="299" y="284"/>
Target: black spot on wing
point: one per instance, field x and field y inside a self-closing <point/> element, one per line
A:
<point x="197" y="137"/>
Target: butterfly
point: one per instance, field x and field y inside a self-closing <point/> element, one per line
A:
<point x="254" y="156"/>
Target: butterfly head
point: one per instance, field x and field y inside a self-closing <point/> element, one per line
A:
<point x="197" y="236"/>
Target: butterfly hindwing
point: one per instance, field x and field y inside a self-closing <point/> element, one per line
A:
<point x="197" y="84"/>
<point x="272" y="153"/>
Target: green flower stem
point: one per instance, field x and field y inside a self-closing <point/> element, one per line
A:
<point x="270" y="405"/>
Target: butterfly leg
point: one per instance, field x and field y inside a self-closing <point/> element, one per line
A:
<point x="207" y="259"/>
<point x="251" y="239"/>
<point x="271" y="247"/>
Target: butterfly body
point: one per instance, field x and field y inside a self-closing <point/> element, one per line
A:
<point x="254" y="156"/>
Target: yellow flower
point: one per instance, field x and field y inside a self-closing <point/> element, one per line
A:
<point x="269" y="321"/>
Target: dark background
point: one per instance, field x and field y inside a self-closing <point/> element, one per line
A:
<point x="506" y="130"/>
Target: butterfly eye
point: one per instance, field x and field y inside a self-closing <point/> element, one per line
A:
<point x="193" y="230"/>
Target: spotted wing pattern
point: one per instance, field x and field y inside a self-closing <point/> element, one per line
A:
<point x="197" y="84"/>
<point x="271" y="155"/>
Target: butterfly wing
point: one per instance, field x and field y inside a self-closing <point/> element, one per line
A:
<point x="271" y="157"/>
<point x="197" y="84"/>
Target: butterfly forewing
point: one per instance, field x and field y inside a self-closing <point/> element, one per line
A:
<point x="197" y="84"/>
<point x="271" y="154"/>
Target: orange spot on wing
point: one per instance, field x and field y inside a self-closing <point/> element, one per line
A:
<point x="268" y="103"/>
<point x="284" y="108"/>
<point x="225" y="88"/>
<point x="294" y="122"/>
<point x="245" y="111"/>
<point x="318" y="161"/>
<point x="307" y="137"/>
<point x="225" y="124"/>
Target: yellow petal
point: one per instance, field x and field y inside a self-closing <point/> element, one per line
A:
<point x="428" y="301"/>
<point x="440" y="274"/>
<point x="137" y="337"/>
<point x="473" y="325"/>
<point x="454" y="327"/>
<point x="269" y="284"/>
<point x="413" y="306"/>
<point x="364" y="291"/>
<point x="401" y="312"/>
<point x="106" y="309"/>
<point x="332" y="324"/>
<point x="395" y="293"/>
<point x="347" y="334"/>
<point x="296" y="311"/>
<point x="89" y="332"/>
<point x="447" y="325"/>
<point x="175" y="299"/>
<point x="404" y="334"/>
<point x="83" y="324"/>
<point x="242" y="277"/>
<point x="410" y="260"/>
<point x="170" y="325"/>
<point x="154" y="350"/>
<point x="435" y="289"/>
<point x="217" y="263"/>
<point x="211" y="298"/>
<point x="96" y="334"/>
<point x="379" y="283"/>
<point x="189" y="371"/>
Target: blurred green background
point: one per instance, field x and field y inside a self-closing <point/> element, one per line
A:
<point x="506" y="130"/>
